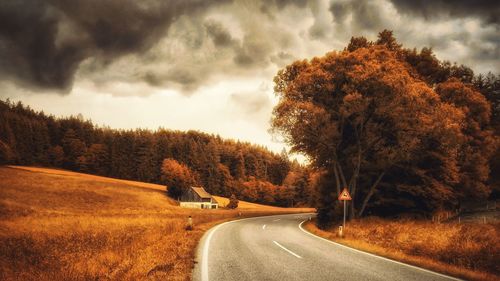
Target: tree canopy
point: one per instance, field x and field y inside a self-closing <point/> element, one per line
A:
<point x="387" y="123"/>
<point x="177" y="177"/>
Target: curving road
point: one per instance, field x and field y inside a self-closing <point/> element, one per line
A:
<point x="278" y="248"/>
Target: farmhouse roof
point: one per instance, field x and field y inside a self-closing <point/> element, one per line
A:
<point x="201" y="192"/>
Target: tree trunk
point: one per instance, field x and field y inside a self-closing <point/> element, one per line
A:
<point x="341" y="173"/>
<point x="370" y="193"/>
<point x="353" y="184"/>
<point x="337" y="180"/>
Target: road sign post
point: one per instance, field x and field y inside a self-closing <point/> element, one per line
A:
<point x="344" y="196"/>
<point x="343" y="224"/>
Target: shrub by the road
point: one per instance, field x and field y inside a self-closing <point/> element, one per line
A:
<point x="233" y="202"/>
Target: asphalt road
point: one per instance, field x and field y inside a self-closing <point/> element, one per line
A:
<point x="277" y="248"/>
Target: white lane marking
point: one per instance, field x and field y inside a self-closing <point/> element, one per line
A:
<point x="282" y="247"/>
<point x="373" y="255"/>
<point x="276" y="219"/>
<point x="204" y="255"/>
<point x="204" y="259"/>
<point x="264" y="226"/>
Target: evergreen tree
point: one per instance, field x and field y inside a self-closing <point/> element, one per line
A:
<point x="73" y="149"/>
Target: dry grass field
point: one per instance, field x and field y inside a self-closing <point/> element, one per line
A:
<point x="60" y="225"/>
<point x="245" y="205"/>
<point x="470" y="251"/>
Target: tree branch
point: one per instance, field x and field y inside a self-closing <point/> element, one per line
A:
<point x="370" y="193"/>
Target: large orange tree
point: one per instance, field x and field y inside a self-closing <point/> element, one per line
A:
<point x="366" y="117"/>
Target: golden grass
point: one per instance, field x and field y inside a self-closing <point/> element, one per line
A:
<point x="91" y="177"/>
<point x="470" y="251"/>
<point x="60" y="225"/>
<point x="223" y="201"/>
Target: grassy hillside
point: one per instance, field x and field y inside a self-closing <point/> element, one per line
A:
<point x="63" y="225"/>
<point x="223" y="201"/>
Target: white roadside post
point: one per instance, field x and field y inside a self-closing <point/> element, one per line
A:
<point x="189" y="225"/>
<point x="344" y="196"/>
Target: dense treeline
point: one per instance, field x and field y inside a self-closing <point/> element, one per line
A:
<point x="223" y="167"/>
<point x="404" y="131"/>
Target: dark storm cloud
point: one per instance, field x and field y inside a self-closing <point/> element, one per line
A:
<point x="219" y="34"/>
<point x="366" y="14"/>
<point x="28" y="51"/>
<point x="487" y="10"/>
<point x="42" y="43"/>
<point x="185" y="44"/>
<point x="340" y="10"/>
<point x="253" y="51"/>
<point x="282" y="59"/>
<point x="477" y="44"/>
<point x="283" y="3"/>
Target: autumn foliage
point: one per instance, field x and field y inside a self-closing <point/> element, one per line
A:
<point x="223" y="167"/>
<point x="178" y="177"/>
<point x="398" y="128"/>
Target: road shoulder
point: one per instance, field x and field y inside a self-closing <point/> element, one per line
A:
<point x="397" y="256"/>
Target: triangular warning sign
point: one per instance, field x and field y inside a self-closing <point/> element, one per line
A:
<point x="344" y="195"/>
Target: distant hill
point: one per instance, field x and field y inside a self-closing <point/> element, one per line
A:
<point x="222" y="166"/>
<point x="50" y="188"/>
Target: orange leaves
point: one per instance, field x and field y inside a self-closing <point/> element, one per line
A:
<point x="354" y="90"/>
<point x="367" y="109"/>
<point x="473" y="103"/>
<point x="353" y="104"/>
<point x="177" y="176"/>
<point x="172" y="167"/>
<point x="479" y="142"/>
<point x="259" y="190"/>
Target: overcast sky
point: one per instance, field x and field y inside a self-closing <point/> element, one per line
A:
<point x="208" y="65"/>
